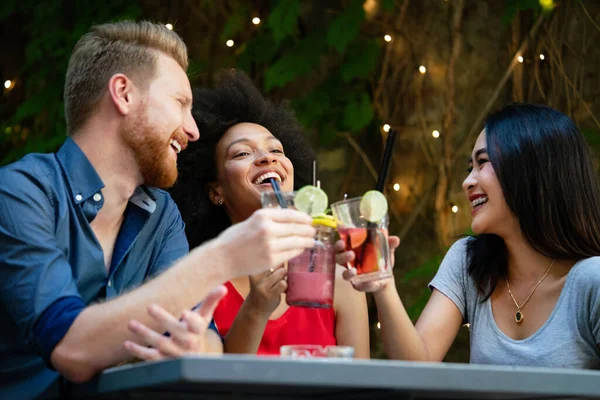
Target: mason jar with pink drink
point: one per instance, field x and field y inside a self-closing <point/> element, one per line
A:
<point x="311" y="275"/>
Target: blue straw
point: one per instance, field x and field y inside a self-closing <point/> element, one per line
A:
<point x="277" y="191"/>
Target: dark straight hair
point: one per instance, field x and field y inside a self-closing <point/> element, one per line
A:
<point x="549" y="182"/>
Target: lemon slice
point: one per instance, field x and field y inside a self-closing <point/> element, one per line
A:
<point x="373" y="206"/>
<point x="325" y="220"/>
<point x="312" y="200"/>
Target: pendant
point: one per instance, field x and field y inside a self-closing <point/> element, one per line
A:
<point x="519" y="317"/>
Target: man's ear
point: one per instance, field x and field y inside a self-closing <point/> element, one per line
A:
<point x="122" y="92"/>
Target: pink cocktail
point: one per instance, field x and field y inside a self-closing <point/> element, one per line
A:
<point x="311" y="275"/>
<point x="310" y="289"/>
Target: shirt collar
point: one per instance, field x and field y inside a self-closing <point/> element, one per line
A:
<point x="83" y="179"/>
<point x="85" y="182"/>
<point x="143" y="198"/>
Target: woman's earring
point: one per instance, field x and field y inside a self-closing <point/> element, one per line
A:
<point x="220" y="201"/>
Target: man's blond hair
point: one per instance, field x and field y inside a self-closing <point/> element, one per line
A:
<point x="126" y="47"/>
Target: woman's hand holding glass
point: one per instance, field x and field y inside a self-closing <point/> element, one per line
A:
<point x="266" y="289"/>
<point x="190" y="334"/>
<point x="343" y="257"/>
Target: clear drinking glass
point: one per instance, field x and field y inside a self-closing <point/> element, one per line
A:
<point x="302" y="350"/>
<point x="311" y="275"/>
<point x="316" y="351"/>
<point x="368" y="240"/>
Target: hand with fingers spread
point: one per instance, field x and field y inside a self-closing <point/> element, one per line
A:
<point x="344" y="257"/>
<point x="190" y="334"/>
<point x="265" y="291"/>
<point x="266" y="240"/>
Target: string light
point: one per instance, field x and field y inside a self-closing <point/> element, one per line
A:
<point x="396" y="187"/>
<point x="230" y="43"/>
<point x="386" y="128"/>
<point x="454" y="209"/>
<point x="422" y="69"/>
<point x="370" y="7"/>
<point x="435" y="134"/>
<point x="520" y="59"/>
<point x="8" y="84"/>
<point x="387" y="38"/>
<point x="378" y="325"/>
<point x="169" y="27"/>
<point x="547" y="5"/>
<point x="256" y="20"/>
<point x="542" y="57"/>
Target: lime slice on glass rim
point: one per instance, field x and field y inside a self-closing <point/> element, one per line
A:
<point x="373" y="206"/>
<point x="311" y="200"/>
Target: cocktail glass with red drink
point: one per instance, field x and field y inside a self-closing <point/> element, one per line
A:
<point x="367" y="237"/>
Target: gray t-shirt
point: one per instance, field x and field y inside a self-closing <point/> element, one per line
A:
<point x="568" y="339"/>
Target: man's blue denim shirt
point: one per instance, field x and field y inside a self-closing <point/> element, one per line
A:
<point x="51" y="264"/>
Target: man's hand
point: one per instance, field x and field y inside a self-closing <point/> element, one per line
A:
<point x="188" y="335"/>
<point x="266" y="289"/>
<point x="266" y="240"/>
<point x="344" y="257"/>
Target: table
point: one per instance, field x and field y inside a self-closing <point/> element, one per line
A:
<point x="239" y="376"/>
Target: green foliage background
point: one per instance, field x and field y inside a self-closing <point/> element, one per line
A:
<point x="325" y="56"/>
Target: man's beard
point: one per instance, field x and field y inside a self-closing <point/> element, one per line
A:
<point x="152" y="154"/>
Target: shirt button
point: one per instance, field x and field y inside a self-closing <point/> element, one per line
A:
<point x="110" y="283"/>
<point x="97" y="197"/>
<point x="78" y="197"/>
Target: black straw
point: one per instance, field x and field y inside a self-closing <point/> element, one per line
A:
<point x="385" y="167"/>
<point x="387" y="158"/>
